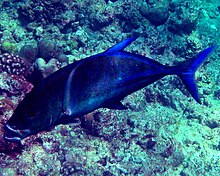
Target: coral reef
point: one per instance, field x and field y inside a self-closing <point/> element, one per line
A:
<point x="13" y="64"/>
<point x="163" y="132"/>
<point x="46" y="68"/>
<point x="8" y="47"/>
<point x="183" y="19"/>
<point x="40" y="11"/>
<point x="44" y="59"/>
<point x="13" y="89"/>
<point x="157" y="13"/>
<point x="14" y="84"/>
<point x="29" y="53"/>
<point x="46" y="49"/>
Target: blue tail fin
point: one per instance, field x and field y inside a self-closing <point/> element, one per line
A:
<point x="187" y="70"/>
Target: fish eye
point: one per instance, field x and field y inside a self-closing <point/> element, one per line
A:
<point x="31" y="114"/>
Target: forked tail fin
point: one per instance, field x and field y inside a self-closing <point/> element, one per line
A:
<point x="186" y="71"/>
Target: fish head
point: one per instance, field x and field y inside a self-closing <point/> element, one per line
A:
<point x="27" y="119"/>
<point x="19" y="125"/>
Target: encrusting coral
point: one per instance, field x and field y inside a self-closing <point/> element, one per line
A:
<point x="8" y="47"/>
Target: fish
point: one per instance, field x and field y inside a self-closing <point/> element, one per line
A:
<point x="98" y="81"/>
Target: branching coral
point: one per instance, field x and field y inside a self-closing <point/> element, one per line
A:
<point x="12" y="64"/>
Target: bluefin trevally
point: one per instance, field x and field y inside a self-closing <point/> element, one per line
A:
<point x="101" y="80"/>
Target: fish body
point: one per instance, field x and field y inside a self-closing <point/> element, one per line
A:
<point x="102" y="80"/>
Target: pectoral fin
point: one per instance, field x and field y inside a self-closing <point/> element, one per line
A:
<point x="116" y="105"/>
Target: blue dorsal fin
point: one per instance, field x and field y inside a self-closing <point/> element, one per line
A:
<point x="116" y="105"/>
<point x="121" y="45"/>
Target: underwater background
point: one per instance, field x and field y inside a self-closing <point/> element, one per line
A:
<point x="164" y="131"/>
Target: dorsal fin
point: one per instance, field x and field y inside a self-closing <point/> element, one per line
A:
<point x="121" y="45"/>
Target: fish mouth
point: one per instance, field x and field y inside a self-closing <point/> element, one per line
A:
<point x="12" y="135"/>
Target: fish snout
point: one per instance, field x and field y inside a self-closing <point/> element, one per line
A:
<point x="13" y="135"/>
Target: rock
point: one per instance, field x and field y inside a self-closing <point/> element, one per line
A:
<point x="46" y="49"/>
<point x="183" y="20"/>
<point x="29" y="53"/>
<point x="158" y="15"/>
